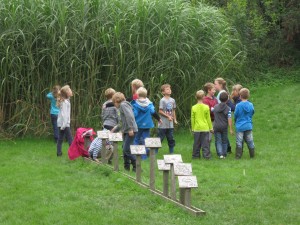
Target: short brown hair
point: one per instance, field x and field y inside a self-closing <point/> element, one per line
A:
<point x="142" y="92"/>
<point x="208" y="86"/>
<point x="200" y="94"/>
<point x="164" y="86"/>
<point x="244" y="93"/>
<point x="109" y="93"/>
<point x="224" y="96"/>
<point x="137" y="83"/>
<point x="118" y="97"/>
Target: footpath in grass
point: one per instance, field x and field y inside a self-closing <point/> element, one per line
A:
<point x="38" y="188"/>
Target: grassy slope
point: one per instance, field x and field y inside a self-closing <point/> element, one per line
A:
<point x="38" y="188"/>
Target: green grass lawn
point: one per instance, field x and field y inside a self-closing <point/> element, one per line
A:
<point x="36" y="187"/>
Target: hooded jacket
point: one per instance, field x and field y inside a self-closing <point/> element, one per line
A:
<point x="143" y="111"/>
<point x="221" y="112"/>
<point x="243" y="116"/>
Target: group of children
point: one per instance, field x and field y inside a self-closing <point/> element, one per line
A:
<point x="133" y="117"/>
<point x="213" y="115"/>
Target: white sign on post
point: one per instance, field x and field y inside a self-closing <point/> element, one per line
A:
<point x="138" y="149"/>
<point x="172" y="159"/>
<point x="182" y="169"/>
<point x="103" y="134"/>
<point x="187" y="181"/>
<point x="152" y="143"/>
<point x="162" y="166"/>
<point x="115" y="137"/>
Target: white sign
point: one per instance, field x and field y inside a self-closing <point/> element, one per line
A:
<point x="182" y="169"/>
<point x="162" y="166"/>
<point x="187" y="181"/>
<point x="103" y="134"/>
<point x="152" y="142"/>
<point x="137" y="149"/>
<point x="115" y="137"/>
<point x="172" y="158"/>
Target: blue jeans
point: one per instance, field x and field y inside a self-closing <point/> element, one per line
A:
<point x="244" y="135"/>
<point x="140" y="139"/>
<point x="221" y="140"/>
<point x="54" y="125"/>
<point x="128" y="157"/>
<point x="62" y="133"/>
<point x="168" y="132"/>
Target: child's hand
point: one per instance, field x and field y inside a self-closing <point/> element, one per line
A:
<point x="160" y="121"/>
<point x="175" y="121"/>
<point x="170" y="118"/>
<point x="131" y="133"/>
<point x="231" y="132"/>
<point x="212" y="131"/>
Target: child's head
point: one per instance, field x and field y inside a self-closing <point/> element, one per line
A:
<point x="224" y="97"/>
<point x="65" y="92"/>
<point x="142" y="92"/>
<point x="235" y="90"/>
<point x="166" y="89"/>
<point x="109" y="93"/>
<point x="220" y="84"/>
<point x="200" y="95"/>
<point x="136" y="84"/>
<point x="55" y="90"/>
<point x="244" y="93"/>
<point x="209" y="89"/>
<point x="117" y="98"/>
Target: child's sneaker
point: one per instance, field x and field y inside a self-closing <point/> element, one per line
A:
<point x="222" y="157"/>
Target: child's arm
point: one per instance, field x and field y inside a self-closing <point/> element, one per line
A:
<point x="174" y="116"/>
<point x="230" y="122"/>
<point x="161" y="112"/>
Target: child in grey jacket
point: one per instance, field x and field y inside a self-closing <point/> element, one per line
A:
<point x="128" y="127"/>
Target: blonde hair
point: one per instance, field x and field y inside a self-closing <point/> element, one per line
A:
<point x="118" y="97"/>
<point x="237" y="87"/>
<point x="222" y="82"/>
<point x="142" y="92"/>
<point x="244" y="93"/>
<point x="200" y="94"/>
<point x="208" y="86"/>
<point x="136" y="83"/>
<point x="109" y="93"/>
<point x="164" y="86"/>
<point x="55" y="90"/>
<point x="62" y="94"/>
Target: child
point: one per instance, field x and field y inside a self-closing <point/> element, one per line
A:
<point x="222" y="115"/>
<point x="201" y="126"/>
<point x="167" y="106"/>
<point x="220" y="85"/>
<point x="54" y="110"/>
<point x="235" y="95"/>
<point x="143" y="110"/>
<point x="211" y="101"/>
<point x="63" y="120"/>
<point x="109" y="111"/>
<point x="128" y="127"/>
<point x="243" y="123"/>
<point x="136" y="84"/>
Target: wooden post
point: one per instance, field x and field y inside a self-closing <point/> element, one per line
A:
<point x="165" y="168"/>
<point x="115" y="138"/>
<point x="185" y="185"/>
<point x="171" y="159"/>
<point x="104" y="136"/>
<point x="138" y="150"/>
<point x="153" y="144"/>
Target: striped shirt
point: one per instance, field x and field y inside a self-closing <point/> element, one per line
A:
<point x="95" y="147"/>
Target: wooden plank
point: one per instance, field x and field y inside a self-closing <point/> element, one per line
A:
<point x="152" y="168"/>
<point x="116" y="157"/>
<point x="187" y="181"/>
<point x="137" y="149"/>
<point x="172" y="158"/>
<point x="152" y="143"/>
<point x="115" y="137"/>
<point x="162" y="165"/>
<point x="138" y="168"/>
<point x="166" y="183"/>
<point x="182" y="169"/>
<point x="173" y="183"/>
<point x="103" y="134"/>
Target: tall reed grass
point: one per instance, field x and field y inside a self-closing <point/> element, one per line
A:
<point x="95" y="44"/>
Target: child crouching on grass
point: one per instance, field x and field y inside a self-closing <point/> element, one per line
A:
<point x="128" y="127"/>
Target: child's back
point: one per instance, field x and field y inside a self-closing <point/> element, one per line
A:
<point x="143" y="111"/>
<point x="243" y="116"/>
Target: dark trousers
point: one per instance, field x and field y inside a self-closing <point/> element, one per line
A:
<point x="128" y="157"/>
<point x="201" y="140"/>
<point x="62" y="133"/>
<point x="168" y="133"/>
<point x="54" y="125"/>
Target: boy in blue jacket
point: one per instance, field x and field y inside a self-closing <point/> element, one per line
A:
<point x="243" y="123"/>
<point x="143" y="110"/>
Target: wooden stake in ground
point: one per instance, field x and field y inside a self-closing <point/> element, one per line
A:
<point x="165" y="168"/>
<point x="138" y="150"/>
<point x="153" y="144"/>
<point x="115" y="138"/>
<point x="104" y="136"/>
<point x="171" y="159"/>
<point x="185" y="185"/>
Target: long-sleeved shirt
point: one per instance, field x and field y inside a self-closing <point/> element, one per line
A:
<point x="200" y="118"/>
<point x="64" y="115"/>
<point x="54" y="110"/>
<point x="127" y="122"/>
